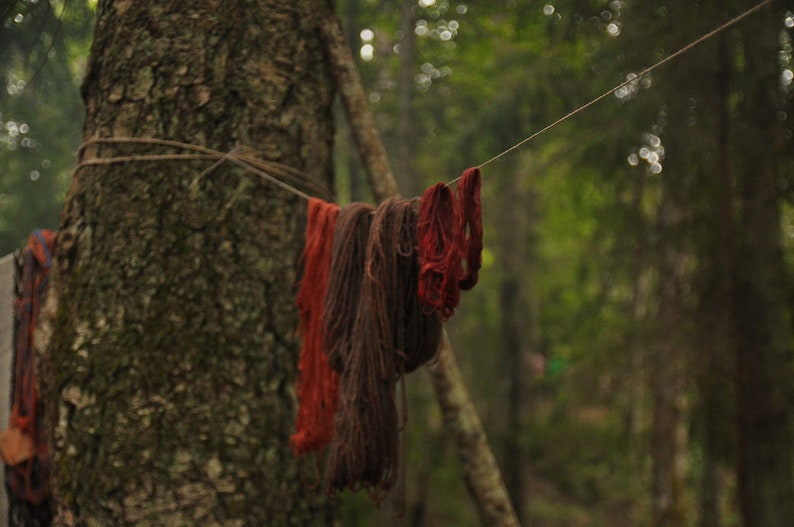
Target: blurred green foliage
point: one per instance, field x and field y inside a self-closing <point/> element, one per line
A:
<point x="45" y="46"/>
<point x="573" y="219"/>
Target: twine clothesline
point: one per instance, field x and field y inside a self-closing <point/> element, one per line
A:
<point x="288" y="178"/>
<point x="630" y="80"/>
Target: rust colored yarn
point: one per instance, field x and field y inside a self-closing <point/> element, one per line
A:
<point x="390" y="335"/>
<point x="470" y="225"/>
<point x="317" y="383"/>
<point x="29" y="479"/>
<point x="347" y="274"/>
<point x="439" y="250"/>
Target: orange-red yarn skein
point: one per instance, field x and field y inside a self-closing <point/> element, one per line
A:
<point x="318" y="384"/>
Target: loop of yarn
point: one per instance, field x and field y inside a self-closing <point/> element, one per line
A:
<point x="439" y="250"/>
<point x="469" y="218"/>
<point x="417" y="333"/>
<point x="450" y="242"/>
<point x="317" y="383"/>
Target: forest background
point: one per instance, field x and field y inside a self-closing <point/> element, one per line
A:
<point x="609" y="344"/>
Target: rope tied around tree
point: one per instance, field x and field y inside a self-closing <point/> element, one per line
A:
<point x="283" y="176"/>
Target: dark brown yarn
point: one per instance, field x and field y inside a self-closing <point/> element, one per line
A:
<point x="390" y="335"/>
<point x="348" y="256"/>
<point x="418" y="338"/>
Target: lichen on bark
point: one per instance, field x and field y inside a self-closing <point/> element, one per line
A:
<point x="171" y="364"/>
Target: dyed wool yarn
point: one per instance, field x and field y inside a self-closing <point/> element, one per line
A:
<point x="347" y="274"/>
<point x="469" y="217"/>
<point x="439" y="250"/>
<point x="317" y="382"/>
<point x="390" y="335"/>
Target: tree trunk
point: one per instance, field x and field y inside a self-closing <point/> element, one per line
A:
<point x="171" y="382"/>
<point x="513" y="348"/>
<point x="764" y="339"/>
<point x="519" y="332"/>
<point x="668" y="387"/>
<point x="407" y="173"/>
<point x="480" y="470"/>
<point x="714" y="363"/>
<point x="668" y="381"/>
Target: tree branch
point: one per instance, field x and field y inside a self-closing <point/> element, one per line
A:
<point x="483" y="478"/>
<point x="370" y="148"/>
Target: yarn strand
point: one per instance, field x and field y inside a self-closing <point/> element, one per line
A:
<point x="390" y="335"/>
<point x="318" y="383"/>
<point x="439" y="250"/>
<point x="469" y="217"/>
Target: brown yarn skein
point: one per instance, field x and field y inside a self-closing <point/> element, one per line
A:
<point x="390" y="335"/>
<point x="348" y="256"/>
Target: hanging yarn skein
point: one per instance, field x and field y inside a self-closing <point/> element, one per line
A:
<point x="418" y="338"/>
<point x="450" y="242"/>
<point x="439" y="250"/>
<point x="317" y="382"/>
<point x="469" y="216"/>
<point x="377" y="286"/>
<point x="389" y="336"/>
<point x="348" y="258"/>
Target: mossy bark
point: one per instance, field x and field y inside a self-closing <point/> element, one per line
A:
<point x="172" y="347"/>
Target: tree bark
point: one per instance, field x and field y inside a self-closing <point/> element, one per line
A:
<point x="171" y="365"/>
<point x="714" y="364"/>
<point x="764" y="337"/>
<point x="480" y="470"/>
<point x="405" y="160"/>
<point x="519" y="332"/>
<point x="668" y="387"/>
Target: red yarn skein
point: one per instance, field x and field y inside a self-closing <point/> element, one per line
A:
<point x="318" y="383"/>
<point x="439" y="250"/>
<point x="470" y="225"/>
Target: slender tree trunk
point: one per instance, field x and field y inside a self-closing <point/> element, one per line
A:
<point x="518" y="332"/>
<point x="764" y="338"/>
<point x="714" y="363"/>
<point x="171" y="376"/>
<point x="763" y="359"/>
<point x="668" y="381"/>
<point x="480" y="470"/>
<point x="405" y="161"/>
<point x="513" y="351"/>
<point x="640" y="291"/>
<point x="358" y="191"/>
<point x="669" y="433"/>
